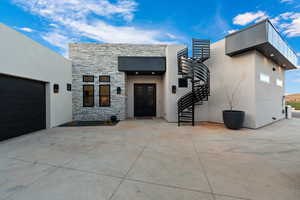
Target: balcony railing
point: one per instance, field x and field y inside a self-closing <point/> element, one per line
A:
<point x="264" y="38"/>
<point x="276" y="40"/>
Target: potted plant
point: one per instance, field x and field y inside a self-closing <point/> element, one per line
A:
<point x="233" y="119"/>
<point x="114" y="118"/>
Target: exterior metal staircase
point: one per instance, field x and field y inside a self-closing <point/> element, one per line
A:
<point x="197" y="72"/>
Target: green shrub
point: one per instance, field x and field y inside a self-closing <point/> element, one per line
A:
<point x="295" y="105"/>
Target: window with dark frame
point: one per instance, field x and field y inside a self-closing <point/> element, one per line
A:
<point x="104" y="95"/>
<point x="88" y="96"/>
<point x="104" y="78"/>
<point x="182" y="83"/>
<point x="88" y="78"/>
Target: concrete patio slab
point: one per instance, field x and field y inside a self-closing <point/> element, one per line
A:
<point x="152" y="159"/>
<point x="130" y="190"/>
<point x="16" y="175"/>
<point x="247" y="176"/>
<point x="65" y="184"/>
<point x="108" y="159"/>
<point x="170" y="169"/>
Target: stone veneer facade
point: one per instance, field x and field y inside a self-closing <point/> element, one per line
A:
<point x="102" y="59"/>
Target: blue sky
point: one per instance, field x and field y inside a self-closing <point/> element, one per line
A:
<point x="55" y="23"/>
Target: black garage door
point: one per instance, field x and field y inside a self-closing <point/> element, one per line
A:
<point x="22" y="106"/>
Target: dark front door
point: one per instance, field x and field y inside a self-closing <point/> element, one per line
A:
<point x="22" y="106"/>
<point x="144" y="100"/>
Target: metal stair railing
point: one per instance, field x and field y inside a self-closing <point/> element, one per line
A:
<point x="199" y="75"/>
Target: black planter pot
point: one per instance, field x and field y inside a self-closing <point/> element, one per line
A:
<point x="114" y="118"/>
<point x="233" y="119"/>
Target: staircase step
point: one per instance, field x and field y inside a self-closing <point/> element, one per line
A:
<point x="185" y="116"/>
<point x="184" y="121"/>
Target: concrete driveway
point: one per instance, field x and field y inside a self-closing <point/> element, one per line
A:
<point x="296" y="113"/>
<point x="153" y="160"/>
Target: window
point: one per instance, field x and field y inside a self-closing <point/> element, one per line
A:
<point x="69" y="87"/>
<point x="104" y="78"/>
<point x="279" y="82"/>
<point x="264" y="78"/>
<point x="88" y="96"/>
<point x="88" y="78"/>
<point x="104" y="95"/>
<point x="182" y="83"/>
<point x="55" y="88"/>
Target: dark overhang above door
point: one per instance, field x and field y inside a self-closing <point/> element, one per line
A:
<point x="142" y="65"/>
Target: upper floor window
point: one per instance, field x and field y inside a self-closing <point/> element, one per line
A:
<point x="104" y="78"/>
<point x="264" y="78"/>
<point x="279" y="82"/>
<point x="88" y="78"/>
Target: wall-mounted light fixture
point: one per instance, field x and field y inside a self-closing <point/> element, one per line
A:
<point x="69" y="87"/>
<point x="174" y="89"/>
<point x="55" y="88"/>
<point x="119" y="90"/>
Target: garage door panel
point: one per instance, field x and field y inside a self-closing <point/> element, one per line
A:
<point x="22" y="106"/>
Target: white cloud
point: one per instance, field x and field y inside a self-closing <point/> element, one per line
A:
<point x="232" y="31"/>
<point x="56" y="39"/>
<point x="26" y="29"/>
<point x="292" y="29"/>
<point x="70" y="20"/>
<point x="79" y="8"/>
<point x="286" y="1"/>
<point x="248" y="17"/>
<point x="54" y="25"/>
<point x="298" y="54"/>
<point x="288" y="23"/>
<point x="171" y="36"/>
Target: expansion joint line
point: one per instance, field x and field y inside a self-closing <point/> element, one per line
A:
<point x="130" y="168"/>
<point x="204" y="171"/>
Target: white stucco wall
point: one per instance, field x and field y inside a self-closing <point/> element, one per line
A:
<point x="171" y="78"/>
<point x="269" y="96"/>
<point x="227" y="75"/>
<point x="262" y="102"/>
<point x="157" y="80"/>
<point x="22" y="57"/>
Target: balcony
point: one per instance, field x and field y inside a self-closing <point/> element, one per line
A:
<point x="264" y="38"/>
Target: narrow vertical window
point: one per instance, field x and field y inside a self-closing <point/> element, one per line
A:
<point x="104" y="95"/>
<point x="88" y="95"/>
